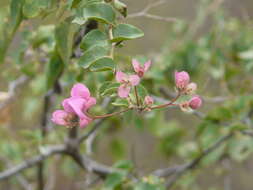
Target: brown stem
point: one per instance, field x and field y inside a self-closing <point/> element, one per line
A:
<point x="167" y="104"/>
<point x="136" y="95"/>
<point x="110" y="114"/>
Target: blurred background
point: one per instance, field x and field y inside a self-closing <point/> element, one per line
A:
<point x="210" y="39"/>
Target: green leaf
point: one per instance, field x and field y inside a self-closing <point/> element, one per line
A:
<point x="241" y="148"/>
<point x="92" y="55"/>
<point x="124" y="164"/>
<point x="121" y="102"/>
<point x="75" y="3"/>
<point x="16" y="13"/>
<point x="9" y="28"/>
<point x="43" y="35"/>
<point x="101" y="12"/>
<point x="54" y="69"/>
<point x="142" y="92"/>
<point x="94" y="38"/>
<point x="108" y="88"/>
<point x="117" y="148"/>
<point x="33" y="8"/>
<point x="64" y="35"/>
<point x="148" y="186"/>
<point x="114" y="180"/>
<point x="103" y="64"/>
<point x="126" y="32"/>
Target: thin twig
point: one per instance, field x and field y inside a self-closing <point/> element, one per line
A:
<point x="23" y="182"/>
<point x="216" y="99"/>
<point x="144" y="13"/>
<point x="97" y="125"/>
<point x="167" y="104"/>
<point x="92" y="136"/>
<point x="47" y="152"/>
<point x="13" y="90"/>
<point x="111" y="114"/>
<point x="178" y="171"/>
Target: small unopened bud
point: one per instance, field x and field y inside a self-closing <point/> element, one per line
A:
<point x="121" y="7"/>
<point x="184" y="106"/>
<point x="182" y="79"/>
<point x="191" y="88"/>
<point x="149" y="100"/>
<point x="195" y="102"/>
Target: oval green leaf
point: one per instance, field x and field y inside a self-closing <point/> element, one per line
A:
<point x="108" y="88"/>
<point x="103" y="64"/>
<point x="94" y="38"/>
<point x="92" y="55"/>
<point x="126" y="32"/>
<point x="121" y="102"/>
<point x="101" y="12"/>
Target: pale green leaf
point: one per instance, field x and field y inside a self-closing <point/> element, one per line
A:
<point x="64" y="35"/>
<point x="126" y="32"/>
<point x="92" y="55"/>
<point x="94" y="38"/>
<point x="120" y="102"/>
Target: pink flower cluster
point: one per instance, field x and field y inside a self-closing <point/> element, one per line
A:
<point x="75" y="108"/>
<point x="128" y="81"/>
<point x="182" y="80"/>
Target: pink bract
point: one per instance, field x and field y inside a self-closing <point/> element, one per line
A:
<point x="75" y="108"/>
<point x="127" y="81"/>
<point x="182" y="79"/>
<point x="140" y="70"/>
<point x="81" y="91"/>
<point x="148" y="100"/>
<point x="195" y="102"/>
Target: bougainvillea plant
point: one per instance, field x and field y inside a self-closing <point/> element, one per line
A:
<point x="70" y="63"/>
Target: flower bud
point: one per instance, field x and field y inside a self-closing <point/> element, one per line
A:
<point x="148" y="100"/>
<point x="195" y="102"/>
<point x="191" y="88"/>
<point x="184" y="106"/>
<point x="182" y="79"/>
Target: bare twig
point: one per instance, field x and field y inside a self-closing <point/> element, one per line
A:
<point x="178" y="171"/>
<point x="47" y="152"/>
<point x="84" y="161"/>
<point x="97" y="125"/>
<point x="144" y="13"/>
<point x="13" y="90"/>
<point x="23" y="182"/>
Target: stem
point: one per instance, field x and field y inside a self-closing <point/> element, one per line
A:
<point x="113" y="44"/>
<point x="136" y="95"/>
<point x="167" y="104"/>
<point x="110" y="114"/>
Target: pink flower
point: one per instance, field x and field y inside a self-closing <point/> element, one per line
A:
<point x="127" y="81"/>
<point x="75" y="108"/>
<point x="195" y="102"/>
<point x="182" y="79"/>
<point x="148" y="100"/>
<point x="140" y="70"/>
